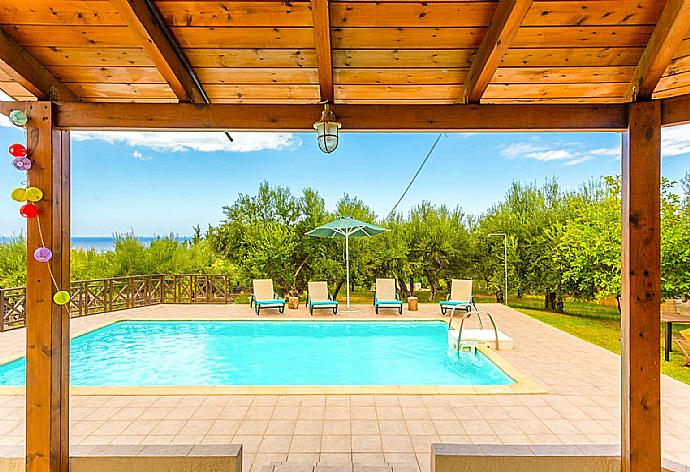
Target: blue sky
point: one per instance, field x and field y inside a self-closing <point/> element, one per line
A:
<point x="155" y="183"/>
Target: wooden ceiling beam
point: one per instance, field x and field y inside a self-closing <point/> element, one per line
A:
<point x="504" y="25"/>
<point x="669" y="33"/>
<point x="675" y="111"/>
<point x="322" y="42"/>
<point x="451" y="118"/>
<point x="21" y="67"/>
<point x="160" y="45"/>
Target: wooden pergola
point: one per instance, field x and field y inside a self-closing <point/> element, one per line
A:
<point x="384" y="65"/>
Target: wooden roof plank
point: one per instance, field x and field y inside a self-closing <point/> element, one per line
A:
<point x="398" y="58"/>
<point x="385" y="14"/>
<point x="322" y="43"/>
<point x="161" y="48"/>
<point x="666" y="38"/>
<point x="64" y="12"/>
<point x="235" y="13"/>
<point x="503" y="28"/>
<point x="29" y="73"/>
<point x="593" y="13"/>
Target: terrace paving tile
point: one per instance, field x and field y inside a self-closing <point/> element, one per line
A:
<point x="367" y="458"/>
<point x="396" y="443"/>
<point x="308" y="427"/>
<point x="420" y="427"/>
<point x="336" y="443"/>
<point x="364" y="426"/>
<point x="334" y="458"/>
<point x="306" y="443"/>
<point x="275" y="444"/>
<point x="303" y="457"/>
<point x="252" y="426"/>
<point x="281" y="427"/>
<point x="581" y="406"/>
<point x="392" y="427"/>
<point x="367" y="443"/>
<point x="336" y="427"/>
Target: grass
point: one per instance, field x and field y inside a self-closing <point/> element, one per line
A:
<point x="600" y="325"/>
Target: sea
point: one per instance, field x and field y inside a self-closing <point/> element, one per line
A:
<point x="103" y="243"/>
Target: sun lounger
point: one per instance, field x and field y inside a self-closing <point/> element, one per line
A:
<point x="386" y="296"/>
<point x="265" y="297"/>
<point x="684" y="346"/>
<point x="318" y="297"/>
<point x="460" y="296"/>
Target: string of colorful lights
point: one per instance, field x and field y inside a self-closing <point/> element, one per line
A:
<point x="30" y="196"/>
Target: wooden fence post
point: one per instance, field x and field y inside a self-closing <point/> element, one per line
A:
<point x="47" y="324"/>
<point x="641" y="289"/>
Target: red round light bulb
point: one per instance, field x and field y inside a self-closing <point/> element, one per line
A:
<point x="28" y="211"/>
<point x="18" y="150"/>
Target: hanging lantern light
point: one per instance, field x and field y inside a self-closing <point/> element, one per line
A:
<point x="18" y="118"/>
<point x="327" y="130"/>
<point x="22" y="163"/>
<point x="18" y="150"/>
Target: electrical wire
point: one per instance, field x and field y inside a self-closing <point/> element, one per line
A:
<point x="414" y="177"/>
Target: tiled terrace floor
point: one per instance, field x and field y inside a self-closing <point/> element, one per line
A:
<point x="582" y="406"/>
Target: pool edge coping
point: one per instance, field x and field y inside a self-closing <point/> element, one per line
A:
<point x="523" y="384"/>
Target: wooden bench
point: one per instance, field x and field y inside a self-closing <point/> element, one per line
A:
<point x="116" y="458"/>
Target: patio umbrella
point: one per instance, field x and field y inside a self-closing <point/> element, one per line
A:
<point x="346" y="228"/>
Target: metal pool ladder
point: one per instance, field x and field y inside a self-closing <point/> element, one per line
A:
<point x="481" y="325"/>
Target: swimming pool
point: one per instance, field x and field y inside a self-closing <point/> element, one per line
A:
<point x="167" y="353"/>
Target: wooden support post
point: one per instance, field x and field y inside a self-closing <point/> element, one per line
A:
<point x="47" y="324"/>
<point x="641" y="287"/>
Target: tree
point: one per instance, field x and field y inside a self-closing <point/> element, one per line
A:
<point x="438" y="243"/>
<point x="589" y="246"/>
<point x="675" y="239"/>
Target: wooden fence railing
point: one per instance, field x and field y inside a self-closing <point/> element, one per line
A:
<point x="90" y="297"/>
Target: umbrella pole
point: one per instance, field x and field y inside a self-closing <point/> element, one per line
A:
<point x="347" y="268"/>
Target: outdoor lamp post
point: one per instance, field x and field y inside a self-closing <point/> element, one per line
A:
<point x="505" y="264"/>
<point x="327" y="130"/>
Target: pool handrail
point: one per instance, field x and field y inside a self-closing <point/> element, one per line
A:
<point x="479" y="317"/>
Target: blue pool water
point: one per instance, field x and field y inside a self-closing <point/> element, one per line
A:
<point x="270" y="353"/>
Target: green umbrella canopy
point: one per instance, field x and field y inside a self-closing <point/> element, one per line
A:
<point x="346" y="226"/>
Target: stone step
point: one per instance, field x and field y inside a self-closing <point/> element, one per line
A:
<point x="339" y="467"/>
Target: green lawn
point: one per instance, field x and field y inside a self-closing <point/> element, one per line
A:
<point x="600" y="325"/>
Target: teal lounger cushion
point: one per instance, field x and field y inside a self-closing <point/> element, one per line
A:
<point x="275" y="301"/>
<point x="450" y="302"/>
<point x="324" y="302"/>
<point x="389" y="302"/>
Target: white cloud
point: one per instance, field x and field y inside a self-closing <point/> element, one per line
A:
<point x="137" y="155"/>
<point x="4" y="121"/>
<point x="514" y="150"/>
<point x="551" y="155"/>
<point x="578" y="160"/>
<point x="201" y="141"/>
<point x="675" y="141"/>
<point x="613" y="151"/>
<point x="568" y="153"/>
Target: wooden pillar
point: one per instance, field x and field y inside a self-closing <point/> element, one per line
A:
<point x="641" y="287"/>
<point x="47" y="324"/>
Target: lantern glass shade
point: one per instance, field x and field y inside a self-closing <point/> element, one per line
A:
<point x="327" y="130"/>
<point x="327" y="135"/>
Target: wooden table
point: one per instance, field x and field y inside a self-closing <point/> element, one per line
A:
<point x="669" y="319"/>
